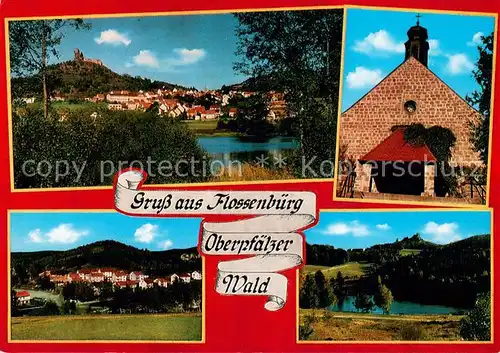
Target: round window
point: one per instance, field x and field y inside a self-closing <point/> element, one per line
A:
<point x="410" y="106"/>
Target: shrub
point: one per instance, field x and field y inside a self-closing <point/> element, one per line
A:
<point x="476" y="325"/>
<point x="81" y="136"/>
<point x="413" y="333"/>
<point x="306" y="330"/>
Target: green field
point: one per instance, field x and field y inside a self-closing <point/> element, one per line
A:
<point x="157" y="327"/>
<point x="377" y="327"/>
<point x="350" y="269"/>
<point x="68" y="105"/>
<point x="406" y="252"/>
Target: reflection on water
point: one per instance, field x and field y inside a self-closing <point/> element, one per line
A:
<point x="398" y="308"/>
<point x="228" y="149"/>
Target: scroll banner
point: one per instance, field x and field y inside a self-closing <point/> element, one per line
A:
<point x="271" y="238"/>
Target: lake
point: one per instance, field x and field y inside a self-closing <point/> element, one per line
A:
<point x="233" y="148"/>
<point x="399" y="308"/>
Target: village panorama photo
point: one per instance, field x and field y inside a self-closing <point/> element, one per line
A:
<point x="416" y="96"/>
<point x="103" y="276"/>
<point x="195" y="98"/>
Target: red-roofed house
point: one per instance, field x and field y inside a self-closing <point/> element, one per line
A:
<point x="146" y="283"/>
<point x="174" y="278"/>
<point x="209" y="115"/>
<point x="162" y="282"/>
<point x="59" y="280"/>
<point x="196" y="275"/>
<point x="144" y="105"/>
<point x="125" y="284"/>
<point x="96" y="277"/>
<point x="108" y="272"/>
<point x="119" y="276"/>
<point x="185" y="277"/>
<point x="73" y="276"/>
<point x="136" y="276"/>
<point x="195" y="113"/>
<point x="233" y="112"/>
<point x="23" y="297"/>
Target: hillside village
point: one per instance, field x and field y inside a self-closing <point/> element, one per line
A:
<point x="176" y="102"/>
<point x="120" y="279"/>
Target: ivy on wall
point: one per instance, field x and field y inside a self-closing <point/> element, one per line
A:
<point x="440" y="141"/>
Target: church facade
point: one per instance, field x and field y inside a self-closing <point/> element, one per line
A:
<point x="371" y="131"/>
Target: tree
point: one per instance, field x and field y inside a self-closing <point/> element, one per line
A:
<point x="482" y="98"/>
<point x="32" y="43"/>
<point x="50" y="308"/>
<point x="45" y="283"/>
<point x="297" y="52"/>
<point x="13" y="303"/>
<point x="383" y="298"/>
<point x="252" y="113"/>
<point x="363" y="302"/>
<point x="326" y="297"/>
<point x="339" y="288"/>
<point x="308" y="297"/>
<point x="476" y="324"/>
<point x="68" y="307"/>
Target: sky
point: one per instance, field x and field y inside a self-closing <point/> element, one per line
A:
<point x="349" y="230"/>
<point x="190" y="50"/>
<point x="374" y="46"/>
<point x="63" y="231"/>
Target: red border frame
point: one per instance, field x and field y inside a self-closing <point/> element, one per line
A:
<point x="233" y="323"/>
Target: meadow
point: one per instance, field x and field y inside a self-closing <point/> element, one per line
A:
<point x="328" y="326"/>
<point x="161" y="327"/>
<point x="350" y="269"/>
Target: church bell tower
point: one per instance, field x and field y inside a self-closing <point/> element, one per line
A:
<point x="417" y="44"/>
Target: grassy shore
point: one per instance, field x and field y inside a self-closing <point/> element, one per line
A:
<point x="160" y="327"/>
<point x="329" y="326"/>
<point x="206" y="128"/>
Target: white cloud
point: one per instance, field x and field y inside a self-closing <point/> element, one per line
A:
<point x="378" y="43"/>
<point x="146" y="233"/>
<point x="383" y="226"/>
<point x="64" y="233"/>
<point x="351" y="228"/>
<point x="434" y="48"/>
<point x="35" y="236"/>
<point x="181" y="57"/>
<point x="459" y="64"/>
<point x="362" y="77"/>
<point x="187" y="56"/>
<point x="476" y="39"/>
<point x="112" y="36"/>
<point x="165" y="244"/>
<point x="442" y="233"/>
<point x="146" y="58"/>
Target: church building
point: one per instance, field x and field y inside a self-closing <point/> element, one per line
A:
<point x="372" y="131"/>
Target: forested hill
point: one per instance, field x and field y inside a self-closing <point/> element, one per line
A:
<point x="108" y="253"/>
<point x="413" y="242"/>
<point x="451" y="274"/>
<point x="327" y="255"/>
<point x="419" y="271"/>
<point x="83" y="79"/>
<point x="260" y="84"/>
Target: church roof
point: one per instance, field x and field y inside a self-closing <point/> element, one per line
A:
<point x="412" y="76"/>
<point x="396" y="148"/>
